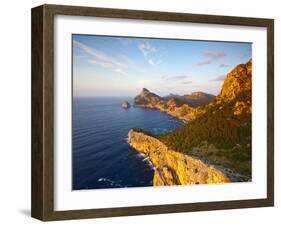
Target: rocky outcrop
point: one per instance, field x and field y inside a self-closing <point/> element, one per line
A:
<point x="146" y="98"/>
<point x="174" y="168"/>
<point x="197" y="99"/>
<point x="237" y="83"/>
<point x="126" y="104"/>
<point x="175" y="106"/>
<point x="225" y="124"/>
<point x="176" y="109"/>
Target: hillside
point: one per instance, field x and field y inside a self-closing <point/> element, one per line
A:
<point x="195" y="99"/>
<point x="146" y="98"/>
<point x="218" y="133"/>
<point x="182" y="107"/>
<point x="221" y="131"/>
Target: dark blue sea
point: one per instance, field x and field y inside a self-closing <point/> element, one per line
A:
<point x="101" y="156"/>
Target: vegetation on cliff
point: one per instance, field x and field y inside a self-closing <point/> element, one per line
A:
<point x="183" y="107"/>
<point x="221" y="131"/>
<point x="195" y="99"/>
<point x="174" y="168"/>
<point x="218" y="132"/>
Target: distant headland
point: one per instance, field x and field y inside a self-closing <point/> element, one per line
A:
<point x="218" y="133"/>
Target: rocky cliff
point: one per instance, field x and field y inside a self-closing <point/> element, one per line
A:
<point x="238" y="83"/>
<point x="174" y="168"/>
<point x="218" y="133"/>
<point x="147" y="98"/>
<point x="182" y="107"/>
<point x="221" y="130"/>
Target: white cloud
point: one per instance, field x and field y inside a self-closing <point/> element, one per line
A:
<point x="146" y="48"/>
<point x="120" y="71"/>
<point x="101" y="63"/>
<point x="150" y="53"/>
<point x="150" y="61"/>
<point x="154" y="62"/>
<point x="102" y="59"/>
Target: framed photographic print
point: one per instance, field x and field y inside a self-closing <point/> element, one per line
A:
<point x="141" y="112"/>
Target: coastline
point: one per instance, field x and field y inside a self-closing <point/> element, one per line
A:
<point x="185" y="119"/>
<point x="171" y="167"/>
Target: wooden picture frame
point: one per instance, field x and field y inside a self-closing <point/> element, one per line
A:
<point x="42" y="204"/>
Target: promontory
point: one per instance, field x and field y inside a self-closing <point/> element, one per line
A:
<point x="214" y="146"/>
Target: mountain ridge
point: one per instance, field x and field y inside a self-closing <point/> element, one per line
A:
<point x="219" y="132"/>
<point x="182" y="107"/>
<point x="221" y="129"/>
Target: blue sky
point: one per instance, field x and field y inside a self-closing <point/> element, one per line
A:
<point x="121" y="66"/>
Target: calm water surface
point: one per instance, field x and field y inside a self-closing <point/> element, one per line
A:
<point x="101" y="156"/>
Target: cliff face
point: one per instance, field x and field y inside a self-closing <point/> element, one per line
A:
<point x="146" y="98"/>
<point x="174" y="168"/>
<point x="224" y="125"/>
<point x="218" y="133"/>
<point x="238" y="83"/>
<point x="174" y="105"/>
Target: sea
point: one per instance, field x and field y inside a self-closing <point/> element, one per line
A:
<point x="101" y="156"/>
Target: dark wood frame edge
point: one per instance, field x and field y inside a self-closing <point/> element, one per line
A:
<point x="42" y="194"/>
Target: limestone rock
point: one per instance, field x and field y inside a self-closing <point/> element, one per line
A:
<point x="174" y="168"/>
<point x="175" y="106"/>
<point x="146" y="98"/>
<point x="126" y="104"/>
<point x="238" y="82"/>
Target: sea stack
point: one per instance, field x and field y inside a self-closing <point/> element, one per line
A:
<point x="125" y="104"/>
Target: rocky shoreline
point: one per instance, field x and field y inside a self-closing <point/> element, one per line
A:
<point x="174" y="113"/>
<point x="217" y="138"/>
<point x="171" y="167"/>
<point x="176" y="106"/>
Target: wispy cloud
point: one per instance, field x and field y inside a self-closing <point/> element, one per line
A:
<point x="80" y="56"/>
<point x="178" y="77"/>
<point x="214" y="54"/>
<point x="102" y="59"/>
<point x="120" y="71"/>
<point x="146" y="48"/>
<point x="150" y="53"/>
<point x="154" y="62"/>
<point x="223" y="65"/>
<point x="204" y="62"/>
<point x="210" y="56"/>
<point x="218" y="78"/>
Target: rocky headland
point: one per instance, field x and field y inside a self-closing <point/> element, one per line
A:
<point x="214" y="146"/>
<point x="171" y="167"/>
<point x="184" y="107"/>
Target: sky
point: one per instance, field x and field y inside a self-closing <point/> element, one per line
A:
<point x="122" y="66"/>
